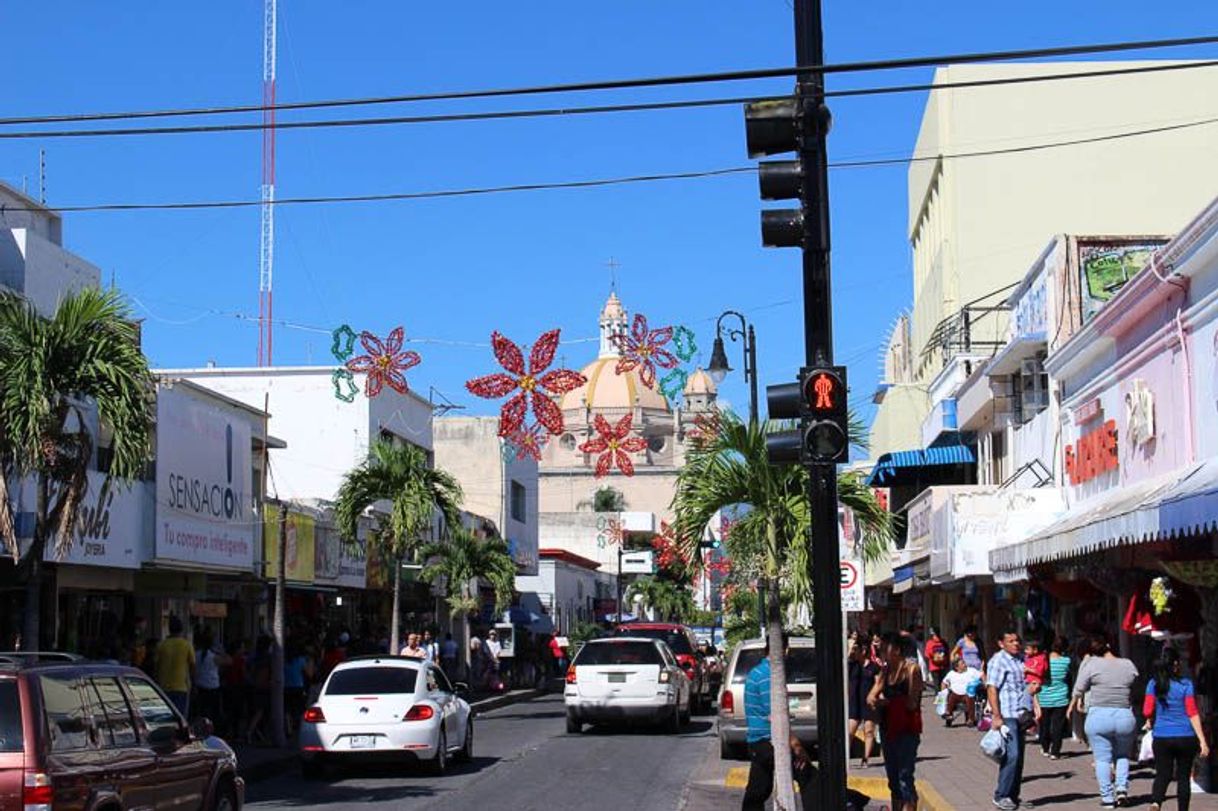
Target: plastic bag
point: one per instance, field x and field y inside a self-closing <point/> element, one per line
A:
<point x="941" y="703"/>
<point x="1146" y="752"/>
<point x="994" y="745"/>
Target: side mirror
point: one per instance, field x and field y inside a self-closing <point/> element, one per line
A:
<point x="201" y="729"/>
<point x="460" y="688"/>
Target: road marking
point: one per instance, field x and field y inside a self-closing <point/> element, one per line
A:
<point x="877" y="787"/>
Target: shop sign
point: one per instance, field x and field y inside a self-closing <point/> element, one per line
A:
<point x="1139" y="414"/>
<point x="208" y="610"/>
<point x="298" y="546"/>
<point x="338" y="563"/>
<point x="641" y="562"/>
<point x="1030" y="316"/>
<point x="1093" y="454"/>
<point x="1087" y="411"/>
<point x="204" y="513"/>
<point x="110" y="528"/>
<point x="919" y="516"/>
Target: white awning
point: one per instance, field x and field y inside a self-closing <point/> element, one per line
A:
<point x="1191" y="506"/>
<point x="1127" y="515"/>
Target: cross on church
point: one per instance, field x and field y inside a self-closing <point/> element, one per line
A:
<point x="613" y="265"/>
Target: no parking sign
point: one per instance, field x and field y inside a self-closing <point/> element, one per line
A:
<point x="851" y="562"/>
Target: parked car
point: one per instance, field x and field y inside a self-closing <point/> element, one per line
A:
<point x="30" y="657"/>
<point x="387" y="707"/>
<point x="86" y="735"/>
<point x="714" y="665"/>
<point x="801" y="690"/>
<point x="626" y="678"/>
<point x="680" y="639"/>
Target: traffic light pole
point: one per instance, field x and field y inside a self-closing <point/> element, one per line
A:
<point x="818" y="342"/>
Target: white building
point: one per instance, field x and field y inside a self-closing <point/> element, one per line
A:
<point x="33" y="261"/>
<point x="569" y="587"/>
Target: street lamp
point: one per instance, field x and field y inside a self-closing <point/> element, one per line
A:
<point x="719" y="366"/>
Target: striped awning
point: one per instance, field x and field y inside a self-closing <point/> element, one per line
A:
<point x="886" y="466"/>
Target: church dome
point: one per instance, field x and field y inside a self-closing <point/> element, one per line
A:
<point x="700" y="383"/>
<point x="606" y="390"/>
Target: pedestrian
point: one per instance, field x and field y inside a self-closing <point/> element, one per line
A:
<point x="448" y="655"/>
<point x="137" y="652"/>
<point x="491" y="649"/>
<point x="957" y="684"/>
<point x="208" y="661"/>
<point x="1106" y="679"/>
<point x="559" y="655"/>
<point x="233" y="687"/>
<point x="758" y="736"/>
<point x="297" y="671"/>
<point x="968" y="649"/>
<point x="1171" y="714"/>
<point x="897" y="697"/>
<point x="259" y="703"/>
<point x="175" y="666"/>
<point x="334" y="654"/>
<point x="1054" y="699"/>
<point x="412" y="648"/>
<point x="1012" y="714"/>
<point x="936" y="659"/>
<point x="430" y="647"/>
<point x="860" y="678"/>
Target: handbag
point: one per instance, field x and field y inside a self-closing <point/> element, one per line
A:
<point x="1146" y="752"/>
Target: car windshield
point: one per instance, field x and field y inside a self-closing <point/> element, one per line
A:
<point x="372" y="681"/>
<point x="619" y="653"/>
<point x="801" y="665"/>
<point x="677" y="641"/>
<point x="10" y="717"/>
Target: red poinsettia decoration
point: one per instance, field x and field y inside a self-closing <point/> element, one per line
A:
<point x="535" y="388"/>
<point x="669" y="553"/>
<point x="706" y="428"/>
<point x="642" y="349"/>
<point x="529" y="441"/>
<point x="613" y="443"/>
<point x="385" y="362"/>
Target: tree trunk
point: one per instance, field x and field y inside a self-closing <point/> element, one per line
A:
<point x="780" y="714"/>
<point x="278" y="731"/>
<point x="395" y="620"/>
<point x="31" y="626"/>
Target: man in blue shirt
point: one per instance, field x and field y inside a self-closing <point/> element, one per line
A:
<point x="1011" y="705"/>
<point x="758" y="736"/>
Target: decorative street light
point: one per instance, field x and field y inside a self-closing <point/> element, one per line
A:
<point x="719" y="366"/>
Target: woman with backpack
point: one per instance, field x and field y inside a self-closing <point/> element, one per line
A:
<point x="1170" y="707"/>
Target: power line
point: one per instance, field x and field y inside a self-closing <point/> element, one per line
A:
<point x="652" y="81"/>
<point x="557" y="112"/>
<point x="599" y="182"/>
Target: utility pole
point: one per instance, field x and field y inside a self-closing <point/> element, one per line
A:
<point x="818" y="349"/>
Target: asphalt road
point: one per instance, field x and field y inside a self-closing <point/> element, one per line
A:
<point x="523" y="759"/>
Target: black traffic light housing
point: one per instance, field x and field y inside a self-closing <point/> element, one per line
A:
<point x="772" y="127"/>
<point x="818" y="401"/>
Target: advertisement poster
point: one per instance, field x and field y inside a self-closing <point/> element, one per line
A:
<point x="298" y="560"/>
<point x="337" y="563"/>
<point x="204" y="509"/>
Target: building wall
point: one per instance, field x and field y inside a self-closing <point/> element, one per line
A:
<point x="898" y="420"/>
<point x="648" y="490"/>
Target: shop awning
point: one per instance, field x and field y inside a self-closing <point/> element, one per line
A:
<point x="888" y="466"/>
<point x="1191" y="506"/>
<point x="1124" y="516"/>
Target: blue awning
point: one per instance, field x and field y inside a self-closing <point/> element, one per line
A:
<point x="887" y="465"/>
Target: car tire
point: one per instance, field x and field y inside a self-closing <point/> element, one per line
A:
<point x="226" y="797"/>
<point x="574" y="725"/>
<point x="466" y="755"/>
<point x="438" y="765"/>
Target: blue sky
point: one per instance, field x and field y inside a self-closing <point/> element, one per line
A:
<point x="455" y="269"/>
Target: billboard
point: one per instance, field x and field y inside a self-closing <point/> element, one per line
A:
<point x="298" y="554"/>
<point x="204" y="510"/>
<point x="1105" y="267"/>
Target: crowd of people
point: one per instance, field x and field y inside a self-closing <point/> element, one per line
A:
<point x="1026" y="691"/>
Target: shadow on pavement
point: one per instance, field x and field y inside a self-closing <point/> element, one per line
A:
<point x="692" y="728"/>
<point x="549" y="714"/>
<point x="350" y="784"/>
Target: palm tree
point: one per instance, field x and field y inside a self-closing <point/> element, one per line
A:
<point x="401" y="475"/>
<point x="727" y="467"/>
<point x="667" y="600"/>
<point x="55" y="373"/>
<point x="461" y="559"/>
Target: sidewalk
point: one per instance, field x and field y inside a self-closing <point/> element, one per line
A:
<point x="951" y="764"/>
<point x="256" y="763"/>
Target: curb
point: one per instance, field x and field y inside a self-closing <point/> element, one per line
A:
<point x="281" y="761"/>
<point x="929" y="798"/>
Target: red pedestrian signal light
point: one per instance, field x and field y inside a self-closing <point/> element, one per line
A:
<point x="823" y="391"/>
<point x="826" y="437"/>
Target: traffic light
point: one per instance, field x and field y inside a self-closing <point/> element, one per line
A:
<point x="818" y="401"/>
<point x="772" y="127"/>
<point x="710" y="541"/>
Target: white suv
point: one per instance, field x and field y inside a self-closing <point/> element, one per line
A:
<point x="626" y="678"/>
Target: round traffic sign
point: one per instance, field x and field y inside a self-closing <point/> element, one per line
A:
<point x="850" y="575"/>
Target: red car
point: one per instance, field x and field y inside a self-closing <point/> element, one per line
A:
<point x="85" y="735"/>
<point x="685" y="646"/>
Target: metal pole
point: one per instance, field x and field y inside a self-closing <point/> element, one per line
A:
<point x="619" y="584"/>
<point x="818" y="338"/>
<point x="750" y="368"/>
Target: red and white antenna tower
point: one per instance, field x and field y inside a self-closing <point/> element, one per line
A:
<point x="266" y="255"/>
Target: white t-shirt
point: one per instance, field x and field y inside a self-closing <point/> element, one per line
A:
<point x="207" y="673"/>
<point x="958" y="681"/>
<point x="494" y="647"/>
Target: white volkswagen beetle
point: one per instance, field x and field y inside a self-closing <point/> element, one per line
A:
<point x="387" y="707"/>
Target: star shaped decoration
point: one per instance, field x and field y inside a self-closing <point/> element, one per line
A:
<point x="385" y="363"/>
<point x="614" y="443"/>
<point x="535" y="387"/>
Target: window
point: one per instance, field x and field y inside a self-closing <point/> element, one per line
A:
<point x="800" y="662"/>
<point x="655" y="443"/>
<point x="1030" y="389"/>
<point x="433" y="683"/>
<point x="619" y="653"/>
<point x="111" y="713"/>
<point x="518" y="499"/>
<point x="567" y="442"/>
<point x="160" y="719"/>
<point x="358" y="681"/>
<point x="11" y="737"/>
<point x="442" y="681"/>
<point x="65" y="712"/>
<point x="677" y="640"/>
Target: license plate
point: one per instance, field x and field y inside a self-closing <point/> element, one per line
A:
<point x="363" y="742"/>
<point x="793" y="703"/>
<point x="617" y="678"/>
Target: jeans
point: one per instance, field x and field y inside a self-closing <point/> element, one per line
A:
<point x="1010" y="770"/>
<point x="900" y="757"/>
<point x="1052" y="729"/>
<point x="1174" y="758"/>
<point x="1111" y="732"/>
<point x="181" y="700"/>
